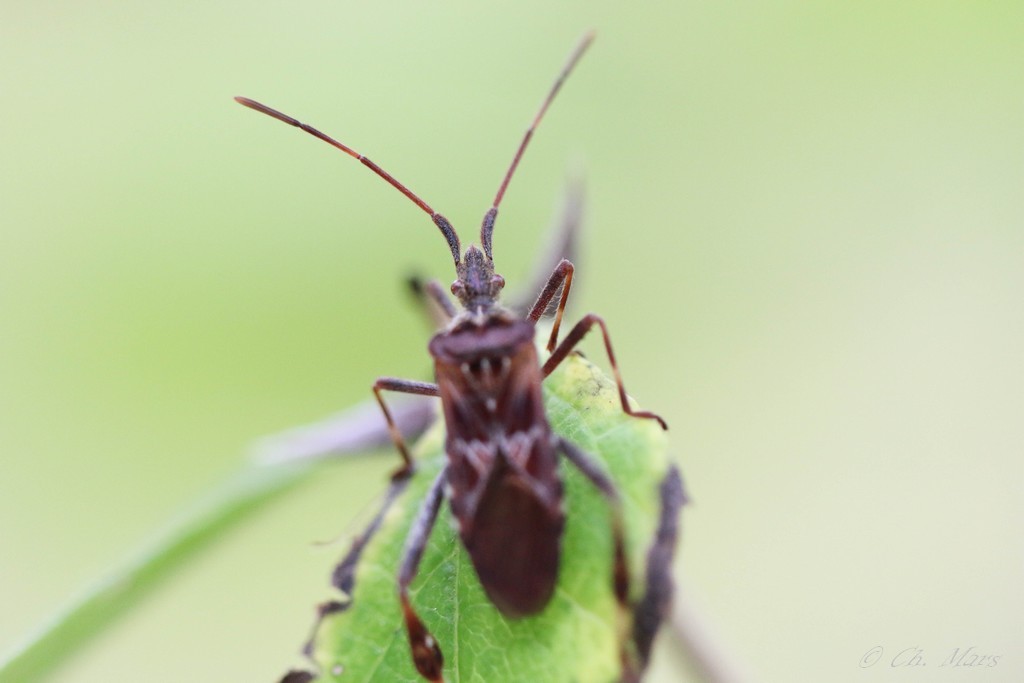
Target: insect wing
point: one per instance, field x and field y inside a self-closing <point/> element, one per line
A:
<point x="513" y="531"/>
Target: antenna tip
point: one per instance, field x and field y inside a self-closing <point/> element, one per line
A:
<point x="264" y="109"/>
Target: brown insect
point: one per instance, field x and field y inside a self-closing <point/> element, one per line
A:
<point x="502" y="475"/>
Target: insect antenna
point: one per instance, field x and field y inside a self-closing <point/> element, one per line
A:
<point x="487" y="229"/>
<point x="440" y="221"/>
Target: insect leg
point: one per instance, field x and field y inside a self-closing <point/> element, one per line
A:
<point x="592" y="471"/>
<point x="573" y="338"/>
<point x="620" y="567"/>
<point x="561" y="278"/>
<point x="656" y="602"/>
<point x="426" y="653"/>
<point x="432" y="297"/>
<point x="563" y="243"/>
<point x="406" y="386"/>
<point x="344" y="579"/>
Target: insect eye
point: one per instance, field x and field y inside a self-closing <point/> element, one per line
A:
<point x="458" y="288"/>
<point x="497" y="281"/>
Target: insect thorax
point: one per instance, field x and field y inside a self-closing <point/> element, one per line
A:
<point x="489" y="377"/>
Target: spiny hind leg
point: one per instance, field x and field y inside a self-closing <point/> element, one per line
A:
<point x="655" y="604"/>
<point x="590" y="469"/>
<point x="593" y="471"/>
<point x="426" y="653"/>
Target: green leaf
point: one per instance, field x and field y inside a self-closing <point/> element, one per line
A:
<point x="580" y="634"/>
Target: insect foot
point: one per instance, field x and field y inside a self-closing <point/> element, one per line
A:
<point x="426" y="653"/>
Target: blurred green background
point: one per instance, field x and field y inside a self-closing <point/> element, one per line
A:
<point x="804" y="230"/>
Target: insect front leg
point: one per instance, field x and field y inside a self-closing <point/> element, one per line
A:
<point x="406" y="386"/>
<point x="435" y="301"/>
<point x="560" y="278"/>
<point x="563" y="245"/>
<point x="573" y="338"/>
<point x="426" y="653"/>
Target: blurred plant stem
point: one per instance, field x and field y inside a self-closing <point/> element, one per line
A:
<point x="705" y="655"/>
<point x="55" y="641"/>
